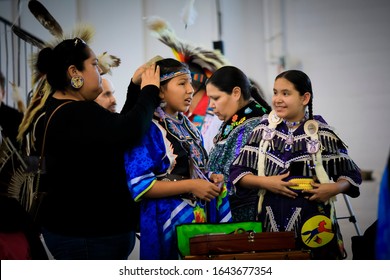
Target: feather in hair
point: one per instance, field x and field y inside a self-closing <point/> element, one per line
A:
<point x="17" y="98"/>
<point x="107" y="61"/>
<point x="42" y="87"/>
<point x="27" y="37"/>
<point x="157" y="24"/>
<point x="83" y="31"/>
<point x="209" y="60"/>
<point x="35" y="75"/>
<point x="38" y="99"/>
<point x="189" y="14"/>
<point x="45" y="18"/>
<point x="163" y="32"/>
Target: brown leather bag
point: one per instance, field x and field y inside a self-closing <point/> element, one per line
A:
<point x="241" y="242"/>
<point x="267" y="255"/>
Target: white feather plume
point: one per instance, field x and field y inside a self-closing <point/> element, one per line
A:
<point x="107" y="61"/>
<point x="185" y="51"/>
<point x="189" y="13"/>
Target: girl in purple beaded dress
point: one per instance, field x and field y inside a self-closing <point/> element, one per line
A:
<point x="298" y="165"/>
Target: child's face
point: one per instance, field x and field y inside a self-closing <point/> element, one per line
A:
<point x="177" y="94"/>
<point x="287" y="102"/>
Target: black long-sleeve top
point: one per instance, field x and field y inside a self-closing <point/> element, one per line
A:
<point x="86" y="180"/>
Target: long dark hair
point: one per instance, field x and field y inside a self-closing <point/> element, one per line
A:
<point x="228" y="77"/>
<point x="55" y="62"/>
<point x="302" y="84"/>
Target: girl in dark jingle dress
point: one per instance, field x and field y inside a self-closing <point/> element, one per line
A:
<point x="299" y="165"/>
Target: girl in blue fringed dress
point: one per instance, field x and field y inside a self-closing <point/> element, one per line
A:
<point x="166" y="172"/>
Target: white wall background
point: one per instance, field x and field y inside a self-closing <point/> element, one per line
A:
<point x="343" y="45"/>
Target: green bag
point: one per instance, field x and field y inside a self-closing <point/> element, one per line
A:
<point x="185" y="231"/>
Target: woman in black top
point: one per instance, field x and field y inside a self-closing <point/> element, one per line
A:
<point x="89" y="213"/>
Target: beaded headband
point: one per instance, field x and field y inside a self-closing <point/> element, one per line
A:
<point x="174" y="74"/>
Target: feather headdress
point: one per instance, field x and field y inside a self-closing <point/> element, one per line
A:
<point x="27" y="37"/>
<point x="41" y="88"/>
<point x="45" y="18"/>
<point x="107" y="61"/>
<point x="189" y="14"/>
<point x="209" y="60"/>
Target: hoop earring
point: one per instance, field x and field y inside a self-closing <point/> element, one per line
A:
<point x="77" y="82"/>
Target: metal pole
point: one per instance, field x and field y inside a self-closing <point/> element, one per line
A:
<point x="351" y="216"/>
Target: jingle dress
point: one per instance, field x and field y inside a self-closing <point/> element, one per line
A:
<point x="314" y="223"/>
<point x="231" y="137"/>
<point x="172" y="147"/>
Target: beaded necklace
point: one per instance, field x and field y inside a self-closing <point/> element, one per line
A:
<point x="249" y="111"/>
<point x="185" y="133"/>
<point x="290" y="126"/>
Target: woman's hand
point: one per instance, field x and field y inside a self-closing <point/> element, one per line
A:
<point x="217" y="179"/>
<point x="137" y="77"/>
<point x="276" y="185"/>
<point x="151" y="76"/>
<point x="204" y="189"/>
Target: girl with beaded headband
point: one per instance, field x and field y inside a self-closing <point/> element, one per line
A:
<point x="202" y="63"/>
<point x="85" y="184"/>
<point x="166" y="172"/>
<point x="299" y="165"/>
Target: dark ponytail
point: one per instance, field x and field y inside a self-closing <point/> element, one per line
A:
<point x="55" y="62"/>
<point x="257" y="96"/>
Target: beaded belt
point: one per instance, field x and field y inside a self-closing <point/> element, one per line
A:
<point x="174" y="177"/>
